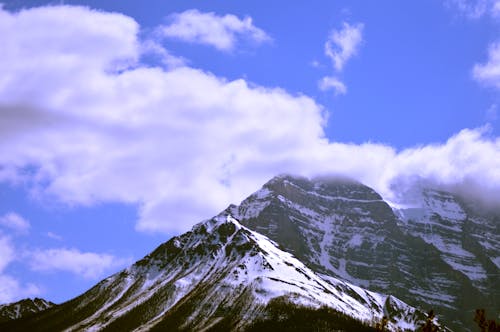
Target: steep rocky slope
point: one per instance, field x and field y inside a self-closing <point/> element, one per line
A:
<point x="23" y="308"/>
<point x="467" y="238"/>
<point x="220" y="276"/>
<point x="435" y="255"/>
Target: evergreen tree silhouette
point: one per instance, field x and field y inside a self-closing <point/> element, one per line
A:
<point x="429" y="325"/>
<point x="484" y="324"/>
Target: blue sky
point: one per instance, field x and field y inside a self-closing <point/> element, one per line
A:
<point x="123" y="124"/>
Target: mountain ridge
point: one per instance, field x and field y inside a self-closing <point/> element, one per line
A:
<point x="301" y="243"/>
<point x="23" y="308"/>
<point x="220" y="272"/>
<point x="345" y="229"/>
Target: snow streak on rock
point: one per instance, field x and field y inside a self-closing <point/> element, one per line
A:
<point x="435" y="253"/>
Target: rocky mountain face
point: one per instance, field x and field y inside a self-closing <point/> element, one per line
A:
<point x="221" y="276"/>
<point x="298" y="249"/>
<point x="23" y="308"/>
<point x="468" y="238"/>
<point x="439" y="254"/>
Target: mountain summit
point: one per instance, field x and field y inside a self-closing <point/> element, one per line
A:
<point x="220" y="276"/>
<point x="439" y="254"/>
<point x="23" y="308"/>
<point x="301" y="248"/>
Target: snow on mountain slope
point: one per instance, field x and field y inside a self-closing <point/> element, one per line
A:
<point x="237" y="261"/>
<point x="467" y="237"/>
<point x="218" y="273"/>
<point x="434" y="255"/>
<point x="23" y="308"/>
<point x="310" y="241"/>
<point x="439" y="220"/>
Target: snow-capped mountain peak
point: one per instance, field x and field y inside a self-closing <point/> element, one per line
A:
<point x="433" y="252"/>
<point x="320" y="243"/>
<point x="220" y="272"/>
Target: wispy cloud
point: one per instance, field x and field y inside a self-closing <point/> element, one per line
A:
<point x="470" y="8"/>
<point x="489" y="73"/>
<point x="495" y="9"/>
<point x="7" y="252"/>
<point x="492" y="113"/>
<point x="331" y="82"/>
<point x="54" y="236"/>
<point x="15" y="222"/>
<point x="474" y="9"/>
<point x="343" y="44"/>
<point x="152" y="47"/>
<point x="11" y="289"/>
<point x="221" y="32"/>
<point x="89" y="265"/>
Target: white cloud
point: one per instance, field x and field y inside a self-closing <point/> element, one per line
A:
<point x="489" y="73"/>
<point x="492" y="113"/>
<point x="343" y="44"/>
<point x="495" y="9"/>
<point x="473" y="9"/>
<point x="468" y="161"/>
<point x="151" y="47"/>
<point x="7" y="253"/>
<point x="15" y="222"/>
<point x="221" y="32"/>
<point x="315" y="64"/>
<point x="11" y="290"/>
<point x="85" y="264"/>
<point x="179" y="142"/>
<point x="54" y="236"/>
<point x="331" y="82"/>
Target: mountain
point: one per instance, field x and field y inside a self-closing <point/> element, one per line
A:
<point x="222" y="276"/>
<point x="23" y="308"/>
<point x="299" y="251"/>
<point x="468" y="238"/>
<point x="441" y="253"/>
